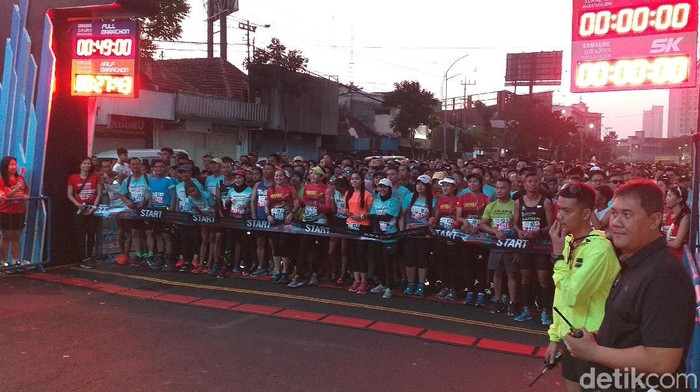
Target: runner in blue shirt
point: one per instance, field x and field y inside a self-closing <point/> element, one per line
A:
<point x="384" y="215"/>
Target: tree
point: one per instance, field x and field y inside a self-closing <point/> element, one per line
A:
<point x="277" y="54"/>
<point x="165" y="25"/>
<point x="416" y="106"/>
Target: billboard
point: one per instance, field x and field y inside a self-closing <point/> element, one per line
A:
<point x="103" y="58"/>
<point x="633" y="45"/>
<point x="534" y="69"/>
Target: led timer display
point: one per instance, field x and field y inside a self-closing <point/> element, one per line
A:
<point x="633" y="45"/>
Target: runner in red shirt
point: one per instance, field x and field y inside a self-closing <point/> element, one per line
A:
<point x="445" y="218"/>
<point x="85" y="191"/>
<point x="12" y="186"/>
<point x="281" y="204"/>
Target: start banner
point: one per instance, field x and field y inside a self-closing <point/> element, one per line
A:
<point x="511" y="243"/>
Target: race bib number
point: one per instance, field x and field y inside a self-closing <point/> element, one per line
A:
<point x="530" y="226"/>
<point x="353" y="226"/>
<point x="237" y="209"/>
<point x="277" y="214"/>
<point x="158" y="197"/>
<point x="501" y="224"/>
<point x="446" y="222"/>
<point x="474" y="222"/>
<point x="262" y="200"/>
<point x="383" y="226"/>
<point x="310" y="212"/>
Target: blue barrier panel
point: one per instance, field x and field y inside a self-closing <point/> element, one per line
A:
<point x="692" y="361"/>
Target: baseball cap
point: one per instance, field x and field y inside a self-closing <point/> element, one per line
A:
<point x="217" y="160"/>
<point x="385" y="182"/>
<point x="447" y="180"/>
<point x="184" y="168"/>
<point x="298" y="158"/>
<point x="239" y="172"/>
<point x="439" y="175"/>
<point x="425" y="179"/>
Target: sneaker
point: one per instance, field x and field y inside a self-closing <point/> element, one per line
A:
<point x="451" y="295"/>
<point x="545" y="319"/>
<point x="180" y="263"/>
<point x="443" y="293"/>
<point x="223" y="271"/>
<point x="388" y="293"/>
<point x="238" y="270"/>
<point x="523" y="316"/>
<point x="154" y="263"/>
<point x="258" y="272"/>
<point x="420" y="290"/>
<point x="480" y="299"/>
<point x="27" y="263"/>
<point x="185" y="267"/>
<point x="122" y="259"/>
<point x="313" y="280"/>
<point x="198" y="269"/>
<point x="362" y="290"/>
<point x="498" y="307"/>
<point x="88" y="263"/>
<point x="512" y="309"/>
<point x="214" y="270"/>
<point x="284" y="278"/>
<point x="195" y="262"/>
<point x="138" y="260"/>
<point x="167" y="267"/>
<point x="469" y="299"/>
<point x="276" y="279"/>
<point x="354" y="287"/>
<point x="410" y="289"/>
<point x="340" y="282"/>
<point x="380" y="288"/>
<point x="296" y="282"/>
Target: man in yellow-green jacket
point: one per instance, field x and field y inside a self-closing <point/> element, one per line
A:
<point x="585" y="267"/>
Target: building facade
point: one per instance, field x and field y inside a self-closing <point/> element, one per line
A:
<point x="683" y="111"/>
<point x="653" y="122"/>
<point x="590" y="122"/>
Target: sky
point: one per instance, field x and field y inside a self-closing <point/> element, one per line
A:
<point x="378" y="43"/>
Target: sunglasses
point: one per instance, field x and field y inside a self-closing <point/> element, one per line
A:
<point x="616" y="181"/>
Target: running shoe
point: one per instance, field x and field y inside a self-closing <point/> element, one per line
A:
<point x="340" y="282"/>
<point x="198" y="269"/>
<point x="362" y="290"/>
<point x="154" y="263"/>
<point x="469" y="299"/>
<point x="410" y="289"/>
<point x="285" y="278"/>
<point x="388" y="293"/>
<point x="195" y="262"/>
<point x="296" y="282"/>
<point x="451" y="295"/>
<point x="88" y="263"/>
<point x="380" y="288"/>
<point x="545" y="319"/>
<point x="138" y="260"/>
<point x="122" y="259"/>
<point x="523" y="316"/>
<point x="223" y="271"/>
<point x="167" y="266"/>
<point x="313" y="280"/>
<point x="420" y="290"/>
<point x="180" y="263"/>
<point x="354" y="287"/>
<point x="238" y="270"/>
<point x="276" y="279"/>
<point x="214" y="270"/>
<point x="443" y="293"/>
<point x="185" y="267"/>
<point x="258" y="272"/>
<point x="480" y="299"/>
<point x="512" y="309"/>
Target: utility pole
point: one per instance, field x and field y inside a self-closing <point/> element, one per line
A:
<point x="249" y="27"/>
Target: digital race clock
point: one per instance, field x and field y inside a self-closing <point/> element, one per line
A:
<point x="104" y="56"/>
<point x="633" y="44"/>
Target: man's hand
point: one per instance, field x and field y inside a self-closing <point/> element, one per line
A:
<point x="558" y="235"/>
<point x="551" y="353"/>
<point x="270" y="219"/>
<point x="288" y="218"/>
<point x="500" y="235"/>
<point x="584" y="348"/>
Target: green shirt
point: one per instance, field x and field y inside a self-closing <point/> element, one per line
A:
<point x="583" y="280"/>
<point x="500" y="214"/>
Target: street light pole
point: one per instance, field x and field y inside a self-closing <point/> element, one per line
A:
<point x="444" y="113"/>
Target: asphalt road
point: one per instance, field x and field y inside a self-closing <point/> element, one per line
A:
<point x="61" y="338"/>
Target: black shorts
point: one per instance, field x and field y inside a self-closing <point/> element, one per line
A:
<point x="12" y="221"/>
<point x="534" y="261"/>
<point x="500" y="260"/>
<point x="571" y="368"/>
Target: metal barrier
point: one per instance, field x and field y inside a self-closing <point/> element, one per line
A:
<point x="35" y="240"/>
